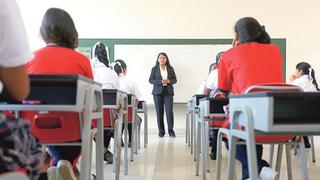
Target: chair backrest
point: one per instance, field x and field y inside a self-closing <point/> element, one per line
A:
<point x="274" y="87"/>
<point x="56" y="127"/>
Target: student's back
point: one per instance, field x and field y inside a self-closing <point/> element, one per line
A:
<point x="250" y="64"/>
<point x="59" y="60"/>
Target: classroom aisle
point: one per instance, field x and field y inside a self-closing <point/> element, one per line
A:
<point x="170" y="159"/>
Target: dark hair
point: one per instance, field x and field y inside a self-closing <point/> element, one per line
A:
<point x="119" y="66"/>
<point x="218" y="56"/>
<point x="163" y="54"/>
<point x="210" y="67"/>
<point x="249" y="30"/>
<point x="305" y="68"/>
<point x="101" y="53"/>
<point x="58" y="27"/>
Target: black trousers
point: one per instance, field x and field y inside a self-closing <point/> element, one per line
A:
<point x="161" y="102"/>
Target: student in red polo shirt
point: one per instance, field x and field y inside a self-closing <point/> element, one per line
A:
<point x="59" y="57"/>
<point x="252" y="60"/>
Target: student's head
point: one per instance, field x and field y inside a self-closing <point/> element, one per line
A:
<point x="218" y="56"/>
<point x="119" y="66"/>
<point x="163" y="59"/>
<point x="248" y="30"/>
<point x="99" y="52"/>
<point x="304" y="68"/>
<point x="58" y="28"/>
<point x="212" y="67"/>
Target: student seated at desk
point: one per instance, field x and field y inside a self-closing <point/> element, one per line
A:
<point x="19" y="149"/>
<point x="127" y="85"/>
<point x="109" y="80"/>
<point x="248" y="63"/>
<point x="305" y="78"/>
<point x="59" y="57"/>
<point x="202" y="87"/>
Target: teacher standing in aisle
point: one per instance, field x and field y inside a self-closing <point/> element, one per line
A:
<point x="163" y="77"/>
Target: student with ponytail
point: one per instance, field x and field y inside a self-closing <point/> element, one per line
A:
<point x="127" y="85"/>
<point x="109" y="80"/>
<point x="304" y="77"/>
<point x="248" y="63"/>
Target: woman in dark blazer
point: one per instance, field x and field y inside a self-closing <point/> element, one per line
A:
<point x="163" y="77"/>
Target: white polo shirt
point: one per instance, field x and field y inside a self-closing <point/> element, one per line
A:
<point x="104" y="75"/>
<point x="212" y="81"/>
<point x="14" y="47"/>
<point x="129" y="86"/>
<point x="305" y="83"/>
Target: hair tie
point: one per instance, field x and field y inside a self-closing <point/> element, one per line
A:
<point x="310" y="74"/>
<point x="262" y="29"/>
<point x="113" y="64"/>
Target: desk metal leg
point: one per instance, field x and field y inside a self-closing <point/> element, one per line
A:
<point x="189" y="126"/>
<point x="204" y="153"/>
<point x="198" y="147"/>
<point x="119" y="123"/>
<point x="289" y="164"/>
<point x="303" y="164"/>
<point x="192" y="132"/>
<point x="271" y="155"/>
<point x="195" y="143"/>
<point x="145" y="127"/>
<point x="186" y="127"/>
<point x="125" y="144"/>
<point x="232" y="157"/>
<point x="279" y="158"/>
<point x="313" y="155"/>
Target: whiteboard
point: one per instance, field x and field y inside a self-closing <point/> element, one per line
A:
<point x="190" y="62"/>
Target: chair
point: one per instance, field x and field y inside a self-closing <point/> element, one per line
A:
<point x="236" y="131"/>
<point x="212" y="116"/>
<point x="66" y="119"/>
<point x="115" y="108"/>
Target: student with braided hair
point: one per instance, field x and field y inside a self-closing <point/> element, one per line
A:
<point x="304" y="77"/>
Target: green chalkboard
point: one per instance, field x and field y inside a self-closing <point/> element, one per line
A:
<point x="85" y="45"/>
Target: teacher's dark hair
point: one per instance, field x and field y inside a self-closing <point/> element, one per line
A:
<point x="163" y="54"/>
<point x="249" y="30"/>
<point x="58" y="27"/>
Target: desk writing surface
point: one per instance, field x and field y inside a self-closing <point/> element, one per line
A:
<point x="294" y="112"/>
<point x="110" y="96"/>
<point x="197" y="97"/>
<point x="54" y="89"/>
<point x="216" y="104"/>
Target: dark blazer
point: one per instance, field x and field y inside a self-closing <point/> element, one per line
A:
<point x="156" y="80"/>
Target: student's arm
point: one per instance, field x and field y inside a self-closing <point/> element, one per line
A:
<point x="16" y="81"/>
<point x="152" y="78"/>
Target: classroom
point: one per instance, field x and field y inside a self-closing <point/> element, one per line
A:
<point x="120" y="89"/>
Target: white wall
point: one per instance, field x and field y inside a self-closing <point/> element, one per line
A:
<point x="298" y="21"/>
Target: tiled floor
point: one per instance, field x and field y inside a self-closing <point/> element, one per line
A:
<point x="167" y="158"/>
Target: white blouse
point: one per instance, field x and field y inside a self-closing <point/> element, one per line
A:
<point x="305" y="83"/>
<point x="129" y="86"/>
<point x="104" y="75"/>
<point x="164" y="73"/>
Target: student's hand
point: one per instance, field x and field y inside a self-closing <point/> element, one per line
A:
<point x="235" y="43"/>
<point x="165" y="81"/>
<point x="292" y="77"/>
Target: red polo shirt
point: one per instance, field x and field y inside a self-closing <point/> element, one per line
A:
<point x="249" y="64"/>
<point x="59" y="60"/>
